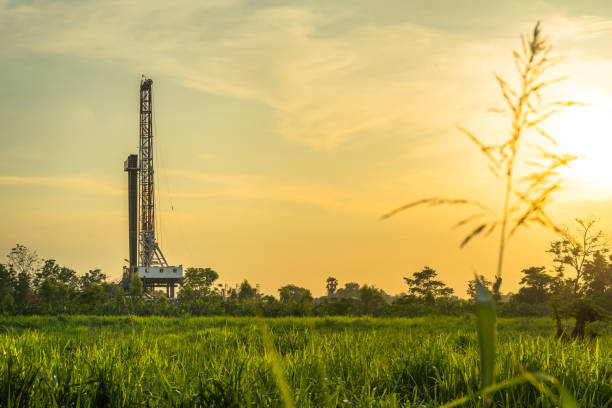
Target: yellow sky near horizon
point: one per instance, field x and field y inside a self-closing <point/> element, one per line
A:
<point x="284" y="131"/>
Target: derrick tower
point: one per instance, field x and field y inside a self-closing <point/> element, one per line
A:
<point x="146" y="257"/>
<point x="150" y="253"/>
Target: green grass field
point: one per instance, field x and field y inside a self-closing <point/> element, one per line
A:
<point x="221" y="362"/>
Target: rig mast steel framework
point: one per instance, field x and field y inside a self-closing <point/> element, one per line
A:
<point x="150" y="253"/>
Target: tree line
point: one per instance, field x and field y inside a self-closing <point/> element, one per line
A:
<point x="578" y="286"/>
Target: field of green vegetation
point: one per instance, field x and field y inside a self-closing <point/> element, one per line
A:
<point x="80" y="361"/>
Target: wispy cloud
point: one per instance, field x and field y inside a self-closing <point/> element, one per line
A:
<point x="579" y="27"/>
<point x="79" y="184"/>
<point x="214" y="178"/>
<point x="326" y="87"/>
<point x="328" y="81"/>
<point x="258" y="187"/>
<point x="244" y="186"/>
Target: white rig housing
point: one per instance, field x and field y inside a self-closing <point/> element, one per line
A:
<point x="160" y="272"/>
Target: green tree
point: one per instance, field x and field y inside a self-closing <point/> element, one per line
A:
<point x="247" y="293"/>
<point x="161" y="305"/>
<point x="7" y="280"/>
<point x="372" y="300"/>
<point x="53" y="296"/>
<point x="423" y="284"/>
<point x="51" y="269"/>
<point x="295" y="300"/>
<point x="92" y="297"/>
<point x="200" y="279"/>
<point x="136" y="287"/>
<point x="537" y="285"/>
<point x="23" y="289"/>
<point x="7" y="303"/>
<point x="187" y="294"/>
<point x="295" y="294"/>
<point x="92" y="277"/>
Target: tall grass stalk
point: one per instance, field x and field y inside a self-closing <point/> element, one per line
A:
<point x="277" y="365"/>
<point x="525" y="199"/>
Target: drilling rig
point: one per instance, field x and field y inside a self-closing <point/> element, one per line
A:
<point x="146" y="257"/>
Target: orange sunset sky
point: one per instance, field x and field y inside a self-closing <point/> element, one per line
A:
<point x="284" y="130"/>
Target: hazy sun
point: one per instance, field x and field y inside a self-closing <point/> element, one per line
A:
<point x="586" y="131"/>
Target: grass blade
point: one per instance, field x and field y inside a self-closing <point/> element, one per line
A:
<point x="485" y="314"/>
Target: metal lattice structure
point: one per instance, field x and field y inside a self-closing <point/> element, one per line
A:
<point x="150" y="253"/>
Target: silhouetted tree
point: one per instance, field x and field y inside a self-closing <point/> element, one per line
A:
<point x="586" y="311"/>
<point x="23" y="260"/>
<point x="580" y="249"/>
<point x="350" y="290"/>
<point x="59" y="273"/>
<point x="331" y="285"/>
<point x="24" y="263"/>
<point x="424" y="285"/>
<point x="598" y="280"/>
<point x="576" y="248"/>
<point x="537" y="285"/>
<point x="93" y="276"/>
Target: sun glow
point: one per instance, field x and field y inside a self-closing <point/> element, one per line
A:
<point x="586" y="131"/>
